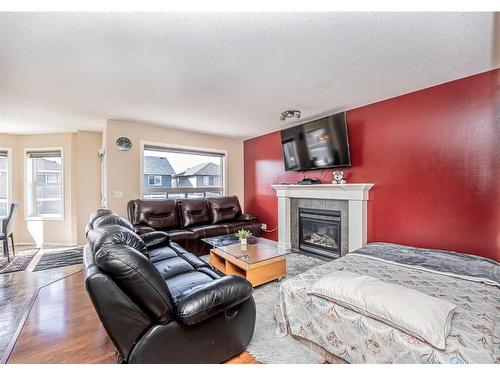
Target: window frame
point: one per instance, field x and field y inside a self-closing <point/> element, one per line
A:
<point x="27" y="180"/>
<point x="9" y="175"/>
<point x="189" y="149"/>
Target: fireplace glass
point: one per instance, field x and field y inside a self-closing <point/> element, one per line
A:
<point x="319" y="232"/>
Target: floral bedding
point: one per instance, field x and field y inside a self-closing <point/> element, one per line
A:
<point x="475" y="328"/>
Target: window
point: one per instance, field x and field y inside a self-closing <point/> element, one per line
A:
<point x="154" y="180"/>
<point x="52" y="177"/>
<point x="4" y="182"/>
<point x="208" y="180"/>
<point x="44" y="193"/>
<point x="182" y="173"/>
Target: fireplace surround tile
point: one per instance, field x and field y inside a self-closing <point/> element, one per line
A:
<point x="356" y="195"/>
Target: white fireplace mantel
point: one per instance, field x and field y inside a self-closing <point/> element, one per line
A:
<point x="356" y="195"/>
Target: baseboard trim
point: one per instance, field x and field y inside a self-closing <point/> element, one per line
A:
<point x="24" y="243"/>
<point x="61" y="244"/>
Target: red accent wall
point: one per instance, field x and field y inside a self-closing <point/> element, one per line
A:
<point x="433" y="156"/>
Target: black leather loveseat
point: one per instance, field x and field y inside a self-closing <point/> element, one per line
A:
<point x="160" y="303"/>
<point x="188" y="221"/>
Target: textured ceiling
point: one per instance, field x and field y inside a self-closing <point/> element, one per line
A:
<point x="229" y="74"/>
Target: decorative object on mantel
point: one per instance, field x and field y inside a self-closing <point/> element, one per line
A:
<point x="338" y="177"/>
<point x="243" y="235"/>
<point x="123" y="144"/>
<point x="309" y="181"/>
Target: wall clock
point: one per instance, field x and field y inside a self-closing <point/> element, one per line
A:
<point x="123" y="144"/>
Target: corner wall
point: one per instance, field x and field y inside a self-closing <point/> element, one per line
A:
<point x="88" y="179"/>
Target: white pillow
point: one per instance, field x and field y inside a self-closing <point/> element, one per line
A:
<point x="418" y="314"/>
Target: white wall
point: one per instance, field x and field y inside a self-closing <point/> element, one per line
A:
<point x="81" y="192"/>
<point x="123" y="167"/>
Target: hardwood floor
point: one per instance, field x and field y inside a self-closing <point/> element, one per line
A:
<point x="244" y="358"/>
<point x="62" y="327"/>
<point x="17" y="290"/>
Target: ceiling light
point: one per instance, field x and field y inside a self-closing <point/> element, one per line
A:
<point x="289" y="114"/>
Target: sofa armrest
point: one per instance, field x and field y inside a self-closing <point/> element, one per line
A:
<point x="212" y="299"/>
<point x="155" y="239"/>
<point x="141" y="229"/>
<point x="246" y="217"/>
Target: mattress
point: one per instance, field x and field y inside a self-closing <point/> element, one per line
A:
<point x="355" y="338"/>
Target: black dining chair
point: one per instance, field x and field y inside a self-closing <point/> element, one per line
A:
<point x="6" y="232"/>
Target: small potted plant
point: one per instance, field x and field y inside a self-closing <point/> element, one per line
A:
<point x="243" y="235"/>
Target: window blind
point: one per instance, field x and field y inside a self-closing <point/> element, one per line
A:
<point x="3" y="154"/>
<point x="43" y="154"/>
<point x="181" y="151"/>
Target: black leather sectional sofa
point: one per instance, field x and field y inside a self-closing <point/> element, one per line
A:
<point x="160" y="303"/>
<point x="188" y="221"/>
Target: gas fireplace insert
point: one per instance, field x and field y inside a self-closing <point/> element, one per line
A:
<point x="319" y="232"/>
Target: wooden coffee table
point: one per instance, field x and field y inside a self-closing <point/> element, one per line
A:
<point x="259" y="262"/>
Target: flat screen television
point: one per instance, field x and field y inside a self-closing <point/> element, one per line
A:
<point x="317" y="144"/>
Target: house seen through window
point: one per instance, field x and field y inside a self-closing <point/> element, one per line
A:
<point x="173" y="173"/>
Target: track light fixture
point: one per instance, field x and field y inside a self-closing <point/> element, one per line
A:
<point x="289" y="114"/>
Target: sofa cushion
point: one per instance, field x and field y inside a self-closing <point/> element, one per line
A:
<point x="143" y="229"/>
<point x="115" y="234"/>
<point x="179" y="235"/>
<point x="177" y="248"/>
<point x="170" y="267"/>
<point x="213" y="273"/>
<point x="182" y="283"/>
<point x="135" y="274"/>
<point x="224" y="209"/>
<point x="158" y="214"/>
<point x="194" y="261"/>
<point x="155" y="239"/>
<point x="183" y="239"/>
<point x="252" y="226"/>
<point x="162" y="253"/>
<point x="194" y="212"/>
<point x="210" y="230"/>
<point x="246" y="217"/>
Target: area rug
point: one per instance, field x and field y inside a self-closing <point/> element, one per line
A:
<point x="266" y="346"/>
<point x="19" y="263"/>
<point x="58" y="259"/>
